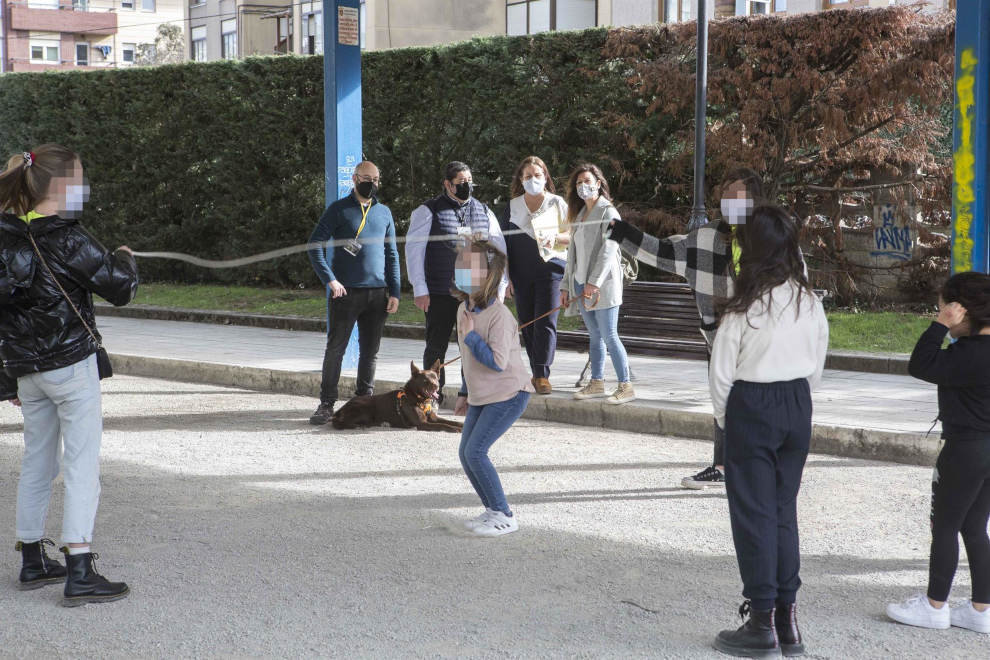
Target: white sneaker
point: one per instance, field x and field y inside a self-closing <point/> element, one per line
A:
<point x="917" y="611"/>
<point x="968" y="617"/>
<point x="496" y="524"/>
<point x="477" y="520"/>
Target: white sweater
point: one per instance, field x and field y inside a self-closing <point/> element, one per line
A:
<point x="768" y="348"/>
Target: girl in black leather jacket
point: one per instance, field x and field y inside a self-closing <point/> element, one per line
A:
<point x="49" y="268"/>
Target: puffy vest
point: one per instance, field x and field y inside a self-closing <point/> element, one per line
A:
<point x="441" y="255"/>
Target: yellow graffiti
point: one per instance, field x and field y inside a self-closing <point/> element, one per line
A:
<point x="964" y="164"/>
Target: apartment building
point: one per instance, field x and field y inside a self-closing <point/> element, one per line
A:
<point x="41" y="35"/>
<point x="233" y="28"/>
<point x="228" y="29"/>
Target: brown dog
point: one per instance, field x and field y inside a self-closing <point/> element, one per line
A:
<point x="414" y="406"/>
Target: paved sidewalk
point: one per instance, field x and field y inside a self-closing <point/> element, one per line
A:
<point x="878" y="410"/>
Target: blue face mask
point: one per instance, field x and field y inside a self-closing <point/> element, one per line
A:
<point x="462" y="280"/>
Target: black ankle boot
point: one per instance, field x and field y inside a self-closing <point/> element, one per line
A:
<point x="785" y="621"/>
<point x="756" y="638"/>
<point x="37" y="568"/>
<point x="84" y="585"/>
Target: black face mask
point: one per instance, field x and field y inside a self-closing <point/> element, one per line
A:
<point x="463" y="190"/>
<point x="367" y="189"/>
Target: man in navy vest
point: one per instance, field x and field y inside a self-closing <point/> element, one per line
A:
<point x="430" y="263"/>
<point x="362" y="276"/>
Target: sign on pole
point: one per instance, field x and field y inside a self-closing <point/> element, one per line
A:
<point x="971" y="139"/>
<point x="341" y="111"/>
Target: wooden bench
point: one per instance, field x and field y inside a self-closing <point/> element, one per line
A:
<point x="656" y="318"/>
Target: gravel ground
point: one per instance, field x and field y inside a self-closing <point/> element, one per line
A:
<point x="245" y="532"/>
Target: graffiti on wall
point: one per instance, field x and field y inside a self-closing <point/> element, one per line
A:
<point x="890" y="238"/>
<point x="964" y="163"/>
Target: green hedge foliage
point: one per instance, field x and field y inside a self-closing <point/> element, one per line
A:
<point x="225" y="159"/>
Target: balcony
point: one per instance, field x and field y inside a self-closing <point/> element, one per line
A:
<point x="63" y="19"/>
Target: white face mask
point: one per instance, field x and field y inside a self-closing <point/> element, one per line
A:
<point x="586" y="191"/>
<point x="736" y="210"/>
<point x="534" y="185"/>
<point x="75" y="197"/>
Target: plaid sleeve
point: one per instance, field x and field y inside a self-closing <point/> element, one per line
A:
<point x="662" y="253"/>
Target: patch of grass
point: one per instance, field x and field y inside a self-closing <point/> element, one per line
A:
<point x="308" y="303"/>
<point x="877" y="332"/>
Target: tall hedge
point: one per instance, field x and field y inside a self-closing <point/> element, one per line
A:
<point x="226" y="159"/>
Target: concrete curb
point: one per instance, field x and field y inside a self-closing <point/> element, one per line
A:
<point x="637" y="417"/>
<point x="846" y="361"/>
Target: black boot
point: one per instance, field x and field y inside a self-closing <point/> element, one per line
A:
<point x="37" y="568"/>
<point x="84" y="585"/>
<point x="785" y="621"/>
<point x="755" y="639"/>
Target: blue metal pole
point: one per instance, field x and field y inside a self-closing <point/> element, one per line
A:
<point x="341" y="113"/>
<point x="971" y="139"/>
<point x="341" y="94"/>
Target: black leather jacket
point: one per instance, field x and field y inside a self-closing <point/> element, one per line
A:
<point x="38" y="329"/>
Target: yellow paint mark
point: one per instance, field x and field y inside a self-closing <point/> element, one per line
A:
<point x="964" y="164"/>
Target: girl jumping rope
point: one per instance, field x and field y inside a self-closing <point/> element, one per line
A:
<point x="498" y="385"/>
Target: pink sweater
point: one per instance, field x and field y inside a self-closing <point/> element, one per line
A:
<point x="498" y="328"/>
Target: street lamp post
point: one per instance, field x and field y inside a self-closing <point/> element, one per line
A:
<point x="698" y="215"/>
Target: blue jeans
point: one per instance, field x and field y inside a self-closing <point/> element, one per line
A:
<point x="603" y="330"/>
<point x="63" y="422"/>
<point x="483" y="425"/>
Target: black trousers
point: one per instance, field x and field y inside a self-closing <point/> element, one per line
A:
<point x="535" y="298"/>
<point x="767" y="434"/>
<point x="367" y="308"/>
<point x="441" y="319"/>
<point x="961" y="504"/>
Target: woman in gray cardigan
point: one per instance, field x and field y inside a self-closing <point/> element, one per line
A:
<point x="594" y="275"/>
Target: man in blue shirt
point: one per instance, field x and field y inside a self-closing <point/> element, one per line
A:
<point x="361" y="273"/>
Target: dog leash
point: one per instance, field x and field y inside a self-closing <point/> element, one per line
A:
<point x="596" y="298"/>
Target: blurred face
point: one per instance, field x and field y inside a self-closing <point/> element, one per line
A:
<point x="470" y="271"/>
<point x="736" y="204"/>
<point x="70" y="192"/>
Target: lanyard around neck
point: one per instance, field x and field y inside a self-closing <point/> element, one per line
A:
<point x="364" y="217"/>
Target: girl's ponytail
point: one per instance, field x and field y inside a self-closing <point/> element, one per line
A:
<point x="28" y="175"/>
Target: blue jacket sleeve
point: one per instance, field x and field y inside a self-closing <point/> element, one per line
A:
<point x="392" y="275"/>
<point x="324" y="231"/>
<point x="481" y="351"/>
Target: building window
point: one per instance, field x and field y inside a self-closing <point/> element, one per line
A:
<point x="313" y="34"/>
<point x="198" y="41"/>
<point x="757" y="7"/>
<point x="148" y="5"/>
<point x="283" y="28"/>
<point x="45" y="51"/>
<point x="676" y="11"/>
<point x="228" y="39"/>
<point x="534" y="16"/>
<point x="43" y="4"/>
<point x="127" y="53"/>
<point x="127" y="4"/>
<point x="82" y="54"/>
<point x="362" y="20"/>
<point x="80" y="5"/>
